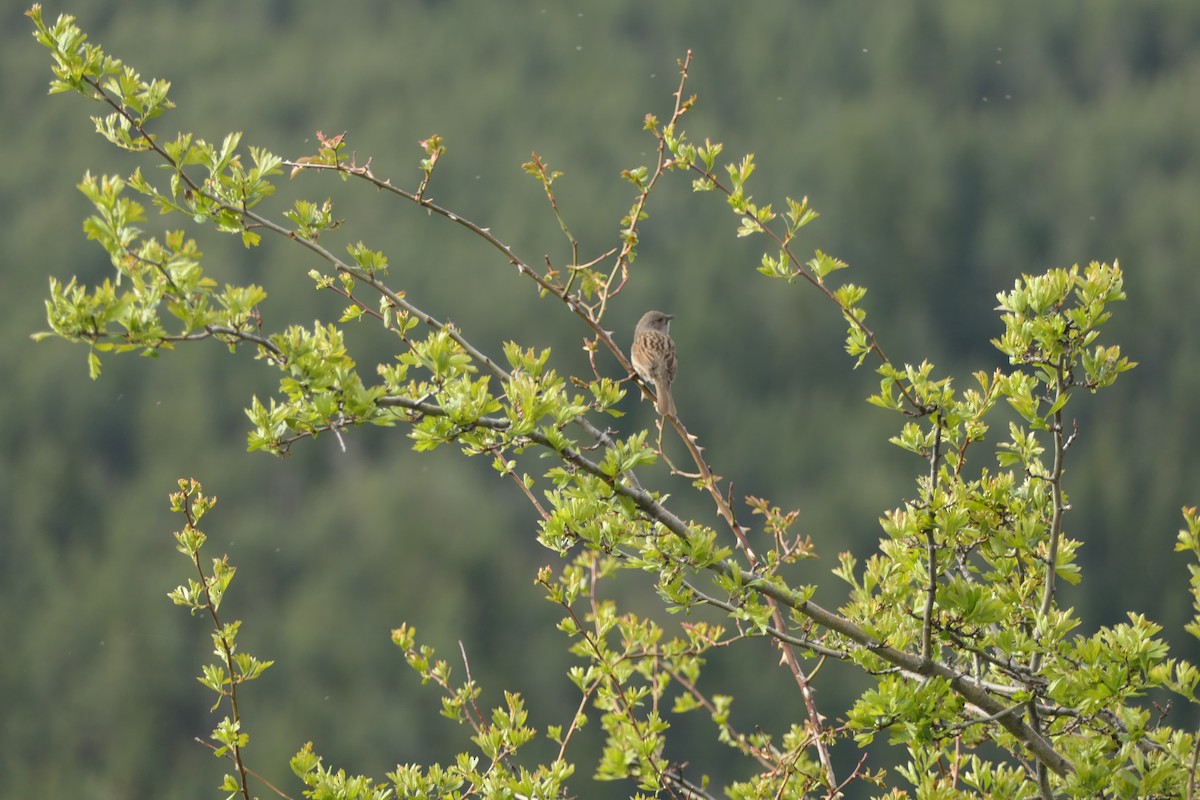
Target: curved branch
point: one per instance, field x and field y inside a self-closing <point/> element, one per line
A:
<point x="961" y="683"/>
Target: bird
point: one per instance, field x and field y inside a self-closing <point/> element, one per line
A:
<point x="653" y="357"/>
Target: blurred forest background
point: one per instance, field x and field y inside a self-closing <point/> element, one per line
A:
<point x="949" y="147"/>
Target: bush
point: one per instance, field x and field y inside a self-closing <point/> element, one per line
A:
<point x="975" y="672"/>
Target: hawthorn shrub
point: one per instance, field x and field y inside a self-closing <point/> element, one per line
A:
<point x="976" y="671"/>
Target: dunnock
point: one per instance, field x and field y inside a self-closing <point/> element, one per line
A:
<point x="653" y="356"/>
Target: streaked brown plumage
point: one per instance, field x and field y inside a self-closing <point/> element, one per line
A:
<point x="653" y="356"/>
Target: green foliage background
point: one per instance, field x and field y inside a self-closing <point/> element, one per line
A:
<point x="949" y="147"/>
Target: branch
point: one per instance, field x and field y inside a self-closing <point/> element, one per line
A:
<point x="935" y="458"/>
<point x="225" y="651"/>
<point x="807" y="644"/>
<point x="785" y="247"/>
<point x="1055" y="479"/>
<point x="1191" y="783"/>
<point x="249" y="771"/>
<point x="962" y="683"/>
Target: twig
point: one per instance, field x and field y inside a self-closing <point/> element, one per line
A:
<point x="249" y="771"/>
<point x="935" y="458"/>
